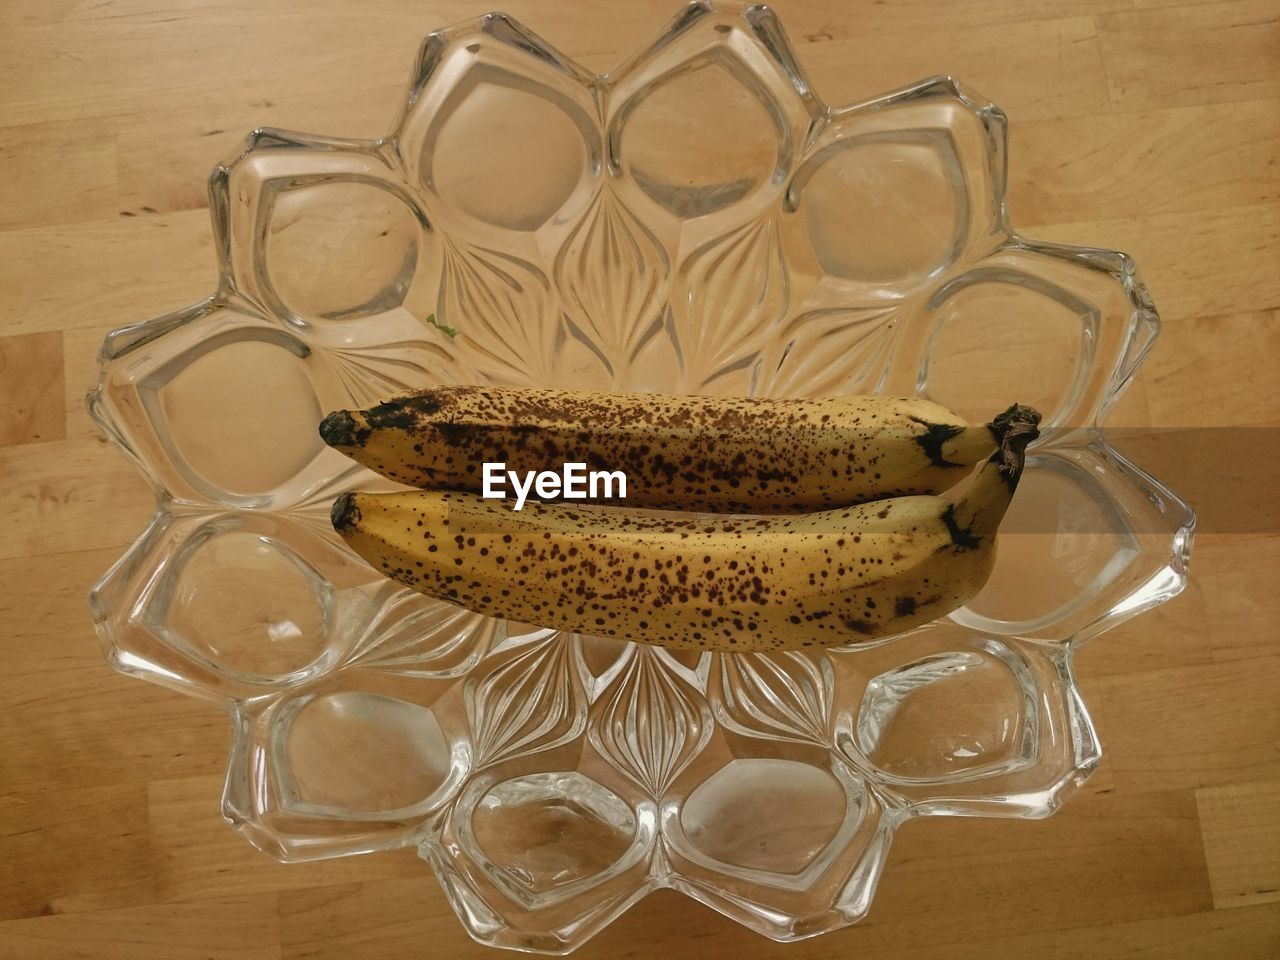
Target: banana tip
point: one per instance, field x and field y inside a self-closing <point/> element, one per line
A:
<point x="340" y="429"/>
<point x="344" y="514"/>
<point x="1015" y="429"/>
<point x="1018" y="424"/>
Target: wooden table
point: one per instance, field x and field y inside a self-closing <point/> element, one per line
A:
<point x="1151" y="126"/>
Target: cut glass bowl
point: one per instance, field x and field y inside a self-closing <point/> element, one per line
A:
<point x="696" y="221"/>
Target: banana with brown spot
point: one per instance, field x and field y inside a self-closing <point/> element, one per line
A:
<point x="706" y="582"/>
<point x="717" y="454"/>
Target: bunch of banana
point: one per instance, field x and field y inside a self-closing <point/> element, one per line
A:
<point x="738" y="583"/>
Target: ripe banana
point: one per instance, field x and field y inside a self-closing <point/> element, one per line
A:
<point x="722" y="455"/>
<point x="705" y="582"/>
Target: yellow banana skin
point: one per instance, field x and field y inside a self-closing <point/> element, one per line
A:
<point x="735" y="583"/>
<point x="713" y="454"/>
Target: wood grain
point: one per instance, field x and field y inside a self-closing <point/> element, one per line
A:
<point x="61" y="172"/>
<point x="1174" y="727"/>
<point x="103" y="274"/>
<point x="1216" y="263"/>
<point x="242" y="928"/>
<point x="31" y="385"/>
<point x="1035" y="69"/>
<point x="1194" y="159"/>
<point x="1149" y="125"/>
<point x="1241" y="827"/>
<point x="1227" y="52"/>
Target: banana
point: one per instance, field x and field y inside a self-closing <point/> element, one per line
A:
<point x="698" y="582"/>
<point x="722" y="455"/>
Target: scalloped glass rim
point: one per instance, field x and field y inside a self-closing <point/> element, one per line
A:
<point x="497" y="717"/>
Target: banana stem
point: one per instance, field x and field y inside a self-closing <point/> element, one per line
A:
<point x="978" y="512"/>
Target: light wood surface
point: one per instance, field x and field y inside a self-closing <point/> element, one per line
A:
<point x="1151" y="126"/>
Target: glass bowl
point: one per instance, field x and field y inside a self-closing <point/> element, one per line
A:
<point x="696" y="221"/>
